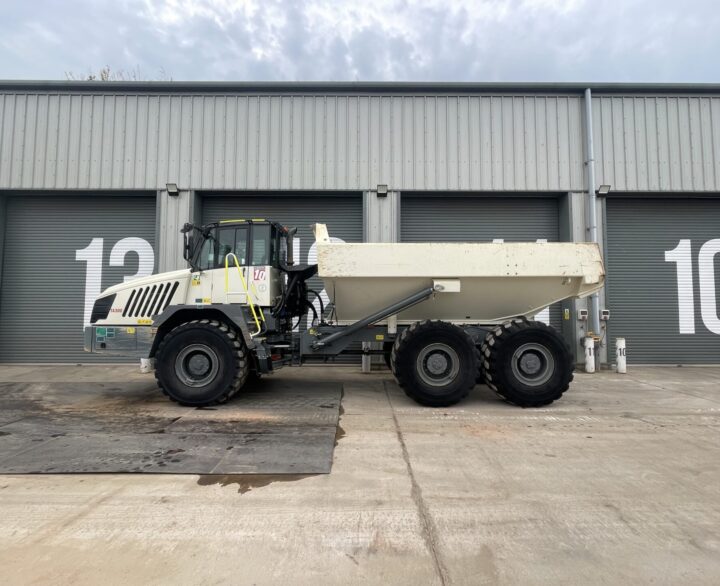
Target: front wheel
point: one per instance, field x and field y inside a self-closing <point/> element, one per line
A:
<point x="435" y="363"/>
<point x="201" y="363"/>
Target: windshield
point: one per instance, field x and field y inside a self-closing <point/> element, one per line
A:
<point x="206" y="254"/>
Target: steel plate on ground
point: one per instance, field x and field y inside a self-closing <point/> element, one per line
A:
<point x="273" y="427"/>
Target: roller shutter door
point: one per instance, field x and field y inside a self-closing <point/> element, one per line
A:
<point x="342" y="214"/>
<point x="663" y="285"/>
<point x="481" y="219"/>
<point x="59" y="251"/>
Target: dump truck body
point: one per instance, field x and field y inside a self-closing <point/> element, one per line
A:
<point x="486" y="283"/>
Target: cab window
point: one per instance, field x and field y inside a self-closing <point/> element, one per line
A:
<point x="263" y="247"/>
<point x="206" y="257"/>
<point x="241" y="244"/>
<point x="232" y="240"/>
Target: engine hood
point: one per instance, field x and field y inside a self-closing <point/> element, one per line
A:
<point x="142" y="281"/>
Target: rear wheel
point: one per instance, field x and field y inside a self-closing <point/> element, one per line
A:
<point x="527" y="363"/>
<point x="201" y="363"/>
<point x="435" y="363"/>
<point x="387" y="354"/>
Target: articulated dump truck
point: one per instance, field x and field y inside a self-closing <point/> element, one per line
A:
<point x="447" y="315"/>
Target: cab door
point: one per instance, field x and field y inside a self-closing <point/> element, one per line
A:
<point x="227" y="284"/>
<point x="201" y="281"/>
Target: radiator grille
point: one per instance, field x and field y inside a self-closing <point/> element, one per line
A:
<point x="150" y="300"/>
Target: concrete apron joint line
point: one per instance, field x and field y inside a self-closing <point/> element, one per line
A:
<point x="430" y="532"/>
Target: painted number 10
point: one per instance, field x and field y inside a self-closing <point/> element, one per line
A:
<point x="681" y="255"/>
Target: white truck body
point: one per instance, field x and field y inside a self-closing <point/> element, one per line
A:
<point x="137" y="301"/>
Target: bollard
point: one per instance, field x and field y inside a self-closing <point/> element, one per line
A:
<point x="620" y="355"/>
<point x="366" y="360"/>
<point x="590" y="355"/>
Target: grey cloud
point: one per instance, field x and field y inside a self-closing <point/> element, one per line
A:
<point x="512" y="40"/>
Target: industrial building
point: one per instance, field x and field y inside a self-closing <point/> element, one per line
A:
<point x="97" y="178"/>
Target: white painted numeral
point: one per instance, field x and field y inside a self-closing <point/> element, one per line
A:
<point x="146" y="256"/>
<point x="682" y="256"/>
<point x="708" y="299"/>
<point x="92" y="255"/>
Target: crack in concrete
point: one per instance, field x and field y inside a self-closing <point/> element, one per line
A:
<point x="430" y="532"/>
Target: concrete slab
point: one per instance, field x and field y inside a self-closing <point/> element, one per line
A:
<point x="617" y="483"/>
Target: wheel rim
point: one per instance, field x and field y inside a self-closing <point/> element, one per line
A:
<point x="437" y="365"/>
<point x="196" y="365"/>
<point x="533" y="364"/>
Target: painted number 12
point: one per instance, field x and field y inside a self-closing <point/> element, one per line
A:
<point x="92" y="254"/>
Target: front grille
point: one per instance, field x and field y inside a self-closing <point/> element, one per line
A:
<point x="101" y="308"/>
<point x="150" y="300"/>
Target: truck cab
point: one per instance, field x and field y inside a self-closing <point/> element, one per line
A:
<point x="233" y="260"/>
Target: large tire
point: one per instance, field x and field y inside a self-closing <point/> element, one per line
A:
<point x="387" y="355"/>
<point x="527" y="363"/>
<point x="435" y="363"/>
<point x="201" y="363"/>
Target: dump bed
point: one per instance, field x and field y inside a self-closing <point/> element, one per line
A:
<point x="496" y="281"/>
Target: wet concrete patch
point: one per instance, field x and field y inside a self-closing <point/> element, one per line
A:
<point x="273" y="428"/>
<point x="248" y="482"/>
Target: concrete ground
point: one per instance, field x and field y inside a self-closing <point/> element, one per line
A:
<point x="619" y="482"/>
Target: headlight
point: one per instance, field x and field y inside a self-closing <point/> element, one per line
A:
<point x="101" y="309"/>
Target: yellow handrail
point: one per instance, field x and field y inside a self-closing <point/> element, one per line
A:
<point x="245" y="287"/>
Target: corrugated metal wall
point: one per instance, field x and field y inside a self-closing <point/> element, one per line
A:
<point x="119" y="141"/>
<point x="657" y="143"/>
<point x="434" y="142"/>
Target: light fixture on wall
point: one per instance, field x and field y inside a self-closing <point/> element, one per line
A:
<point x="382" y="190"/>
<point x="172" y="189"/>
<point x="603" y="190"/>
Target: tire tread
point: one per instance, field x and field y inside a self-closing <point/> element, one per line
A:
<point x="231" y="338"/>
<point x="492" y="347"/>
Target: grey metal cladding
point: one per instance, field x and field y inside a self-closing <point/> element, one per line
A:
<point x="283" y="142"/>
<point x="657" y="143"/>
<point x="643" y="288"/>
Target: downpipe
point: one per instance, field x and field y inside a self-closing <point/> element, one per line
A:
<point x="591" y="222"/>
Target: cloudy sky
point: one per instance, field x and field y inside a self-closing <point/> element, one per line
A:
<point x="337" y="40"/>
